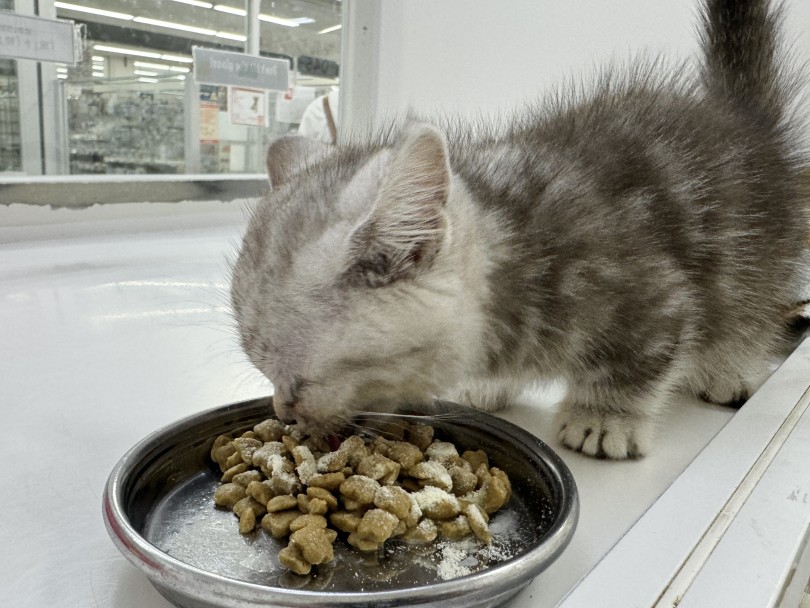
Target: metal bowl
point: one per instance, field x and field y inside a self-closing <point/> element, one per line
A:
<point x="158" y="509"/>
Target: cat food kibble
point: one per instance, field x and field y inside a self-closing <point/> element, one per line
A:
<point x="411" y="487"/>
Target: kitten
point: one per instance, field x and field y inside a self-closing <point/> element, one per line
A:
<point x="640" y="241"/>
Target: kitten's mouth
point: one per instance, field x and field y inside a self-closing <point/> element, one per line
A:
<point x="334" y="440"/>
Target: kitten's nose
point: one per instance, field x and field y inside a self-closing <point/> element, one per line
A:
<point x="284" y="408"/>
<point x="286" y="417"/>
<point x="285" y="399"/>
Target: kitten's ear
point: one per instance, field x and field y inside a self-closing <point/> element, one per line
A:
<point x="290" y="154"/>
<point x="406" y="227"/>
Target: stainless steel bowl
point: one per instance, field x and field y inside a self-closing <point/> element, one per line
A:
<point x="159" y="511"/>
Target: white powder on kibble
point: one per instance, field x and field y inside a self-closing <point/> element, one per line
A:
<point x="441" y="451"/>
<point x="430" y="498"/>
<point x="432" y="472"/>
<point x="275" y="463"/>
<point x="307" y="468"/>
<point x="416" y="510"/>
<point x="332" y="461"/>
<point x="306" y="471"/>
<point x="262" y="456"/>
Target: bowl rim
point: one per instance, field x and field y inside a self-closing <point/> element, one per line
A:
<point x="163" y="570"/>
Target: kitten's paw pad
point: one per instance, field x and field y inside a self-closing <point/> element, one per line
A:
<point x="604" y="435"/>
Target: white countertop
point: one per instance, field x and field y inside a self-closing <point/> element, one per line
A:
<point x="114" y="325"/>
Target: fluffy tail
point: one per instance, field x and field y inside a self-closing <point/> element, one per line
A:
<point x="744" y="62"/>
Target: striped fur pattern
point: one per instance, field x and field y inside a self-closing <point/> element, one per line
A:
<point x="640" y="238"/>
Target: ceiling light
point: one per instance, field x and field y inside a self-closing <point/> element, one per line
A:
<point x="61" y="76"/>
<point x="98" y="74"/>
<point x="149" y="55"/>
<point x="160" y="66"/>
<point x="181" y="77"/>
<point x="154" y="66"/>
<point x="178" y="58"/>
<point x="61" y="70"/>
<point x="144" y="73"/>
<point x="278" y="20"/>
<point x="196" y="3"/>
<point x="174" y="26"/>
<point x="229" y="36"/>
<point x="151" y="80"/>
<point x="232" y="10"/>
<point x="330" y="29"/>
<point x="97" y="58"/>
<point x="92" y="11"/>
<point x="303" y="20"/>
<point x="123" y="51"/>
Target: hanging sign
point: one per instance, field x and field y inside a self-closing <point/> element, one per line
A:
<point x="27" y="37"/>
<point x="238" y="69"/>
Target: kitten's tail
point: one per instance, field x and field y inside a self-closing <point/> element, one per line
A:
<point x="744" y="57"/>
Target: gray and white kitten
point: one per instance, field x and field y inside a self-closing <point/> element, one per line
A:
<point x="638" y="241"/>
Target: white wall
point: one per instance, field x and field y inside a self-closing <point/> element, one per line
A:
<point x="482" y="56"/>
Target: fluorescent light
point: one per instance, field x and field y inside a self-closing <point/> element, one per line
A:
<point x="61" y="76"/>
<point x="174" y="26"/>
<point x="135" y="53"/>
<point x="93" y="11"/>
<point x="61" y="70"/>
<point x="160" y="66"/>
<point x="150" y="80"/>
<point x="144" y="73"/>
<point x="278" y="20"/>
<point x="178" y="58"/>
<point x="197" y="3"/>
<point x="330" y="29"/>
<point x="154" y="66"/>
<point x="181" y="77"/>
<point x="123" y="51"/>
<point x="303" y="20"/>
<point x="232" y="10"/>
<point x="98" y="74"/>
<point x="98" y="58"/>
<point x="229" y="36"/>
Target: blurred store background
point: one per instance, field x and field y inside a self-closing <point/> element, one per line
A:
<point x="131" y="104"/>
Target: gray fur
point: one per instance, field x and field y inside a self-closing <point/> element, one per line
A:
<point x="637" y="240"/>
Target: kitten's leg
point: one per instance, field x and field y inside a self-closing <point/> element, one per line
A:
<point x="727" y="380"/>
<point x="728" y="389"/>
<point x="487" y="396"/>
<point x="607" y="433"/>
<point x="614" y="416"/>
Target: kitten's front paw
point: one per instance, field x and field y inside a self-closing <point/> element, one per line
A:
<point x="604" y="435"/>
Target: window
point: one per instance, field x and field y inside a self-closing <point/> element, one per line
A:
<point x="132" y="105"/>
